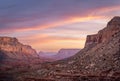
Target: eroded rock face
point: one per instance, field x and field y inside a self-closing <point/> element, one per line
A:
<point x="105" y="34"/>
<point x="14" y="49"/>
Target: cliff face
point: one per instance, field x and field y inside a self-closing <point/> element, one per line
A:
<point x="14" y="49"/>
<point x="113" y="27"/>
<point x="101" y="54"/>
<point x="102" y="51"/>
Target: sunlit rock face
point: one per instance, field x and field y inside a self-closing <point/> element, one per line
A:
<point x="105" y="34"/>
<point x="14" y="49"/>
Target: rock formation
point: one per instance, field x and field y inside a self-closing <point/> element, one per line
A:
<point x="113" y="27"/>
<point x="101" y="54"/>
<point x="14" y="49"/>
<point x="104" y="49"/>
<point x="16" y="57"/>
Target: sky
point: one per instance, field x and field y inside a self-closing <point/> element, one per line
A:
<point x="49" y="25"/>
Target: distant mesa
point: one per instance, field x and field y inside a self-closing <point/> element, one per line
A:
<point x="61" y="54"/>
<point x="65" y="53"/>
<point x="46" y="54"/>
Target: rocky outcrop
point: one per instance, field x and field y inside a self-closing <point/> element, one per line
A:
<point x="14" y="49"/>
<point x="113" y="27"/>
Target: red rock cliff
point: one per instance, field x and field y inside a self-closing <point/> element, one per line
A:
<point x="15" y="49"/>
<point x="105" y="34"/>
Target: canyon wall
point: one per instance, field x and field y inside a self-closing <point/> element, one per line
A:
<point x="14" y="49"/>
<point x="105" y="34"/>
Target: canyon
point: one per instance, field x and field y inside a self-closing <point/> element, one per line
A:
<point x="99" y="60"/>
